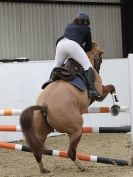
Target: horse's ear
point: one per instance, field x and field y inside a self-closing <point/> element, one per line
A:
<point x="101" y="51"/>
<point x="94" y="44"/>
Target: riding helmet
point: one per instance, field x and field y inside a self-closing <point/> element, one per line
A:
<point x="83" y="18"/>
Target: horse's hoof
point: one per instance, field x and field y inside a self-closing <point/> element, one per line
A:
<point x="45" y="171"/>
<point x="80" y="166"/>
<point x="82" y="169"/>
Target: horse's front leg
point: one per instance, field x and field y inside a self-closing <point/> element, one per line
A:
<point x="115" y="109"/>
<point x="74" y="140"/>
<point x="75" y="137"/>
<point x="105" y="91"/>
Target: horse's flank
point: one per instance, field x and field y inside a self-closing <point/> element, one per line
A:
<point x="63" y="101"/>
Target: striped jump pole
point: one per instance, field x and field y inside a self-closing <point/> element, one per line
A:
<point x="10" y="128"/>
<point x="104" y="109"/>
<point x="124" y="129"/>
<point x="63" y="154"/>
<point x="10" y="112"/>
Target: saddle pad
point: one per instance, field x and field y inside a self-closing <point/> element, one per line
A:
<point x="79" y="83"/>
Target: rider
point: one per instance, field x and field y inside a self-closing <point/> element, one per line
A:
<point x="74" y="43"/>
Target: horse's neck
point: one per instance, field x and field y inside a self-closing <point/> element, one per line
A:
<point x="98" y="82"/>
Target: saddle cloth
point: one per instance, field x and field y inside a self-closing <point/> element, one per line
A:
<point x="77" y="82"/>
<point x="61" y="73"/>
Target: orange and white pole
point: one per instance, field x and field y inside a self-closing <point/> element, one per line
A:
<point x="10" y="112"/>
<point x="10" y="128"/>
<point x="124" y="129"/>
<point x="63" y="154"/>
<point x="103" y="109"/>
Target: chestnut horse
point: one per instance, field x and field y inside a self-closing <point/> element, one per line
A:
<point x="60" y="106"/>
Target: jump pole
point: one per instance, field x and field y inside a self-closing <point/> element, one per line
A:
<point x="63" y="154"/>
<point x="104" y="109"/>
<point x="10" y="128"/>
<point x="10" y="112"/>
<point x="130" y="71"/>
<point x="124" y="129"/>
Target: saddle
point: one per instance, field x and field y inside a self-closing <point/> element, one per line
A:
<point x="71" y="72"/>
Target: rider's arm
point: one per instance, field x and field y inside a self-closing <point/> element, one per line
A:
<point x="88" y="42"/>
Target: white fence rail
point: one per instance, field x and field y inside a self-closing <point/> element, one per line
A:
<point x="21" y="83"/>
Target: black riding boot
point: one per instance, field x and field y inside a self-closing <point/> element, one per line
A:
<point x="89" y="74"/>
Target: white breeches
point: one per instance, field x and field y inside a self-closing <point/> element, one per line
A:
<point x="67" y="48"/>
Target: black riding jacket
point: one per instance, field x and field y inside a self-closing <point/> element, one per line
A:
<point x="80" y="34"/>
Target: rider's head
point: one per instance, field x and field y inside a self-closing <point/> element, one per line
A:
<point x="82" y="18"/>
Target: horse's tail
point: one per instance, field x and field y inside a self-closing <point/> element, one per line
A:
<point x="27" y="126"/>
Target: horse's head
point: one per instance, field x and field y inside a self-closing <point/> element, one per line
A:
<point x="95" y="56"/>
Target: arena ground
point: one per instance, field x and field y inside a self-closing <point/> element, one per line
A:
<point x="23" y="164"/>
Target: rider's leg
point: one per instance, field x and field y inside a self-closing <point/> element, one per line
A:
<point x="76" y="52"/>
<point x="61" y="54"/>
<point x="60" y="57"/>
<point x="89" y="74"/>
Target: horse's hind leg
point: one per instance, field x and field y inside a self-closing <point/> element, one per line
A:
<point x="40" y="164"/>
<point x="74" y="140"/>
<point x="38" y="158"/>
<point x="42" y="130"/>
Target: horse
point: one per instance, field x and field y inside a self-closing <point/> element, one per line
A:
<point x="60" y="107"/>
